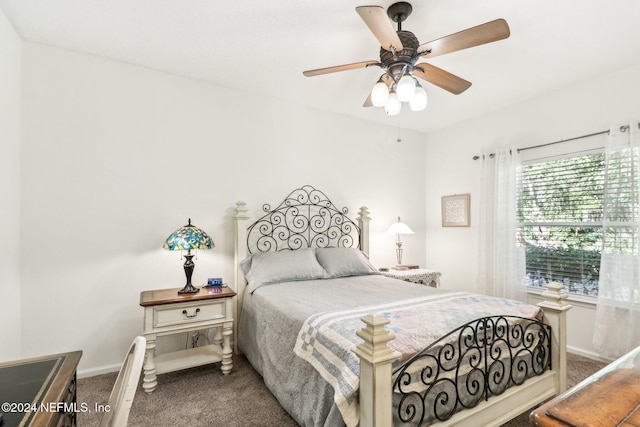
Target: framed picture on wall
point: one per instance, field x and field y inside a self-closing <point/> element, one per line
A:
<point x="455" y="210"/>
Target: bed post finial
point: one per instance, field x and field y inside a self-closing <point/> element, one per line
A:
<point x="376" y="358"/>
<point x="555" y="313"/>
<point x="554" y="295"/>
<point x="239" y="282"/>
<point x="363" y="223"/>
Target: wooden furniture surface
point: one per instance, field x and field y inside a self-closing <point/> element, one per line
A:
<point x="171" y="296"/>
<point x="416" y="275"/>
<point x="40" y="391"/>
<point x="610" y="397"/>
<point x="166" y="312"/>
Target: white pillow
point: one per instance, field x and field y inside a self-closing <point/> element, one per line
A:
<point x="265" y="268"/>
<point x="342" y="262"/>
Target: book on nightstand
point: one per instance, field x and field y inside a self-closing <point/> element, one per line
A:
<point x="406" y="267"/>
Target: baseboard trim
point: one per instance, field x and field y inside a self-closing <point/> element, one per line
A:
<point x="588" y="354"/>
<point x="85" y="373"/>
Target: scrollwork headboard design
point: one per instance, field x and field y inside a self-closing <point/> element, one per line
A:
<point x="305" y="219"/>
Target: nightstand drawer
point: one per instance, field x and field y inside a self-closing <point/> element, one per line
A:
<point x="180" y="314"/>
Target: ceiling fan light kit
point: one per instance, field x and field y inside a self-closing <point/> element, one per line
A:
<point x="406" y="87"/>
<point x="418" y="101"/>
<point x="393" y="105"/>
<point x="400" y="52"/>
<point x="379" y="94"/>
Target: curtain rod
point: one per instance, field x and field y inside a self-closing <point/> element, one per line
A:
<point x="622" y="129"/>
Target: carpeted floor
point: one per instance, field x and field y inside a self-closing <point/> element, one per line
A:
<point x="193" y="397"/>
<point x="204" y="397"/>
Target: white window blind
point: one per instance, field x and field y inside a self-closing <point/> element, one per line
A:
<point x="561" y="221"/>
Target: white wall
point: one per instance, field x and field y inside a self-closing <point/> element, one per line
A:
<point x="585" y="108"/>
<point x="10" y="58"/>
<point x="116" y="157"/>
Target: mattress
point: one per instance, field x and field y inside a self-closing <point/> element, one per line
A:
<point x="275" y="317"/>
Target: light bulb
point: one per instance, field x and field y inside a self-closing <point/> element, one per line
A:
<point x="418" y="101"/>
<point x="379" y="94"/>
<point x="406" y="87"/>
<point x="393" y="105"/>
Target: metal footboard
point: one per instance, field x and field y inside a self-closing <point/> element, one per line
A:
<point x="469" y="365"/>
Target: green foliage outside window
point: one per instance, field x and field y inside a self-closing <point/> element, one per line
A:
<point x="560" y="211"/>
<point x="577" y="269"/>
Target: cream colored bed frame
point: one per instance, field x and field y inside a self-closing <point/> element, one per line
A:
<point x="376" y="356"/>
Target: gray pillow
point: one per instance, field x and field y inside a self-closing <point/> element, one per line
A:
<point x="342" y="262"/>
<point x="267" y="268"/>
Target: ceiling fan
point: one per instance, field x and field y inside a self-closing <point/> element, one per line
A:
<point x="399" y="54"/>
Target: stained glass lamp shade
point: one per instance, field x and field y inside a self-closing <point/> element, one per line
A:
<point x="184" y="239"/>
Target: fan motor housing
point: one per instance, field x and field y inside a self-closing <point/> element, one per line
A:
<point x="408" y="54"/>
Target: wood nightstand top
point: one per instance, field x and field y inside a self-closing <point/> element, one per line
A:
<point x="171" y="296"/>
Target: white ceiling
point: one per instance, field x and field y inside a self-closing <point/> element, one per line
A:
<point x="263" y="46"/>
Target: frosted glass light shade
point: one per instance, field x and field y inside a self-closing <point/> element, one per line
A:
<point x="379" y="94"/>
<point x="399" y="228"/>
<point x="393" y="105"/>
<point x="406" y="88"/>
<point x="418" y="101"/>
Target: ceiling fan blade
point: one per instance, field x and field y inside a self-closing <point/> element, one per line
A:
<point x="475" y="36"/>
<point x="441" y="78"/>
<point x="345" y="67"/>
<point x="378" y="22"/>
<point x="385" y="78"/>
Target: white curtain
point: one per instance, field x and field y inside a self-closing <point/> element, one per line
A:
<point x="617" y="328"/>
<point x="501" y="261"/>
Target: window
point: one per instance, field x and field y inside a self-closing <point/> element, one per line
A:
<point x="560" y="217"/>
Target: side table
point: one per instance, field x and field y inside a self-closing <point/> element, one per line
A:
<point x="416" y="275"/>
<point x="166" y="312"/>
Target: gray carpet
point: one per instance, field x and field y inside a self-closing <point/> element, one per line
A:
<point x="204" y="397"/>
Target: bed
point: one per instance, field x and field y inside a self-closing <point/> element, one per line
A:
<point x="339" y="344"/>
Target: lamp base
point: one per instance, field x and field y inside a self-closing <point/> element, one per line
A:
<point x="188" y="271"/>
<point x="189" y="289"/>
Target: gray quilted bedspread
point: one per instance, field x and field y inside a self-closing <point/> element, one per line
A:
<point x="270" y="322"/>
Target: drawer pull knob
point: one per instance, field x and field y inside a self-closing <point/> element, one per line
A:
<point x="191" y="316"/>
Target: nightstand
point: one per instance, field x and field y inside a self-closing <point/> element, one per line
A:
<point x="166" y="312"/>
<point x="416" y="275"/>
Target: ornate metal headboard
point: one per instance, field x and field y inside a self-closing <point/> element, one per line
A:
<point x="306" y="218"/>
